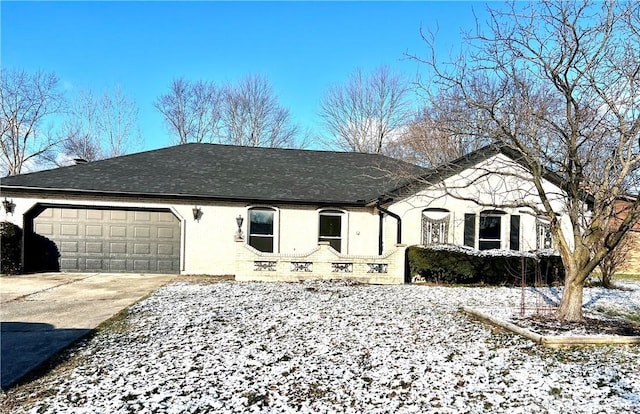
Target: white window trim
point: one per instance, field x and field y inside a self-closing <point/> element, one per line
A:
<point x="344" y="225"/>
<point x="276" y="224"/>
<point x="504" y="227"/>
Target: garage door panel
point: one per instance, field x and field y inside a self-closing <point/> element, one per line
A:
<point x="69" y="230"/>
<point x="166" y="266"/>
<point x="118" y="265"/>
<point x="70" y="214"/>
<point x="112" y="240"/>
<point x="141" y="265"/>
<point x="93" y="247"/>
<point x="166" y="233"/>
<point x="116" y="248"/>
<point x="68" y="247"/>
<point x="45" y="229"/>
<point x="69" y="264"/>
<point x="142" y="216"/>
<point x="141" y="232"/>
<point x="165" y="250"/>
<point x="95" y="214"/>
<point x="118" y="215"/>
<point x="93" y="230"/>
<point x="142" y="248"/>
<point x="118" y="231"/>
<point x="94" y="264"/>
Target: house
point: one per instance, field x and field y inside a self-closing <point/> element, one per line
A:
<point x="631" y="247"/>
<point x="266" y="214"/>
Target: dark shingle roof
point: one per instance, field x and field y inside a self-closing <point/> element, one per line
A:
<point x="229" y="173"/>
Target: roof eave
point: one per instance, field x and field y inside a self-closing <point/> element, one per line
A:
<point x="185" y="197"/>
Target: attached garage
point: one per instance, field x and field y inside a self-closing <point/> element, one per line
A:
<point x="102" y="240"/>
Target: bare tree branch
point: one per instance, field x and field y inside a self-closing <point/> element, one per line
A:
<point x="557" y="83"/>
<point x="253" y="117"/>
<point x="192" y="110"/>
<point x="367" y="112"/>
<point x="102" y="127"/>
<point x="27" y="100"/>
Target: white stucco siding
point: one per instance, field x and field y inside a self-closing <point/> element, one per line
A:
<point x="208" y="246"/>
<point x="494" y="183"/>
<point x="299" y="229"/>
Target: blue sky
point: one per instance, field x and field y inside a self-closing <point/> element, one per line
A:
<point x="301" y="47"/>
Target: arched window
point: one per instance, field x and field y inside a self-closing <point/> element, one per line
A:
<point x="261" y="228"/>
<point x="435" y="226"/>
<point x="330" y="228"/>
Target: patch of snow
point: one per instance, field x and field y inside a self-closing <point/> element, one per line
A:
<point x="334" y="347"/>
<point x="535" y="254"/>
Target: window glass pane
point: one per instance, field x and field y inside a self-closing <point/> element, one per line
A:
<point x="469" y="229"/>
<point x="514" y="235"/>
<point x="262" y="243"/>
<point x="330" y="226"/>
<point x="335" y="243"/>
<point x="488" y="244"/>
<point x="261" y="222"/>
<point x="489" y="227"/>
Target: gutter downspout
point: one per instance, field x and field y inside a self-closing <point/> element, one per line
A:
<point x="383" y="211"/>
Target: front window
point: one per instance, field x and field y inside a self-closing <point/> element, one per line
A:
<point x="331" y="228"/>
<point x="490" y="231"/>
<point x="261" y="229"/>
<point x="435" y="226"/>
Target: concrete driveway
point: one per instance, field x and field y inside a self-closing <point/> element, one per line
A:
<point x="44" y="313"/>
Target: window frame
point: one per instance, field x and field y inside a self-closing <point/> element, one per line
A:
<point x="491" y="214"/>
<point x="330" y="238"/>
<point x="274" y="228"/>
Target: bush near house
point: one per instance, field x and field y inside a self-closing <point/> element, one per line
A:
<point x="461" y="265"/>
<point x="11" y="248"/>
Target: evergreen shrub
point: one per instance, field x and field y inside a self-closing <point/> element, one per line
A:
<point x="10" y="248"/>
<point x="461" y="265"/>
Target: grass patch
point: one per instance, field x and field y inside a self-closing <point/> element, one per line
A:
<point x="204" y="279"/>
<point x="633" y="317"/>
<point x="627" y="276"/>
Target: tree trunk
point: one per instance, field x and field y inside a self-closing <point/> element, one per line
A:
<point x="571" y="305"/>
<point x="606" y="279"/>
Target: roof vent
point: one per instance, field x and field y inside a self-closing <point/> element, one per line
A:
<point x="79" y="161"/>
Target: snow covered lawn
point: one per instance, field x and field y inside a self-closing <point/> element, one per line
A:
<point x="335" y="347"/>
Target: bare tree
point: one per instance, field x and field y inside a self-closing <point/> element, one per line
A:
<point x="80" y="138"/>
<point x="102" y="127"/>
<point x="192" y="110"/>
<point x="118" y="124"/>
<point x="27" y="100"/>
<point x="558" y="84"/>
<point x="253" y="117"/>
<point x="367" y="112"/>
<point x="429" y="142"/>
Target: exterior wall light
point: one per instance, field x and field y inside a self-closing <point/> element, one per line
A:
<point x="197" y="213"/>
<point x="239" y="221"/>
<point x="9" y="206"/>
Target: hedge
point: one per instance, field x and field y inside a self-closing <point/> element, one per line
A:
<point x="10" y="247"/>
<point x="459" y="265"/>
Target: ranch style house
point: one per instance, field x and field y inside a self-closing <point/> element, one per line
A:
<point x="267" y="214"/>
